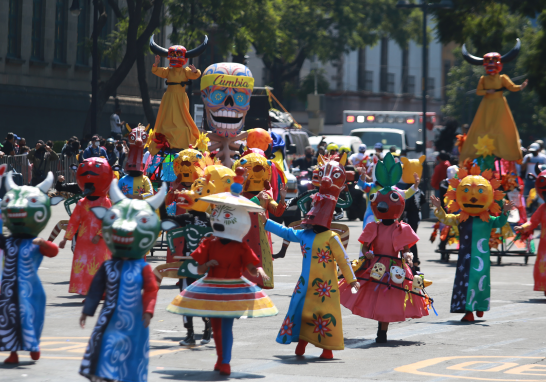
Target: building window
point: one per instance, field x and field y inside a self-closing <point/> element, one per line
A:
<point x="430" y="87"/>
<point x="61" y="10"/>
<point x="368" y="85"/>
<point x="14" y="29"/>
<point x="82" y="57"/>
<point x="361" y="69"/>
<point x="411" y="85"/>
<point x="37" y="41"/>
<point x="390" y="82"/>
<point x="384" y="59"/>
<point x="405" y="70"/>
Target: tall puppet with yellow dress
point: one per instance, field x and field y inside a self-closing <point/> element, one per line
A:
<point x="174" y="123"/>
<point x="494" y="117"/>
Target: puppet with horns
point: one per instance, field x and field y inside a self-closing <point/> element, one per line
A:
<point x="174" y="123"/>
<point x="25" y="211"/>
<point x="494" y="117"/>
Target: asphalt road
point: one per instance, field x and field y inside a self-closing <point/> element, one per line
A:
<point x="508" y="344"/>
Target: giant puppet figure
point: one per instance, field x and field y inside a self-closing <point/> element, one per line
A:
<point x="25" y="211"/>
<point x="224" y="294"/>
<point x="94" y="176"/>
<point x="118" y="347"/>
<point x="475" y="194"/>
<point x="314" y="314"/>
<point x="494" y="117"/>
<point x="226" y="89"/>
<point x="174" y="123"/>
<point x="136" y="185"/>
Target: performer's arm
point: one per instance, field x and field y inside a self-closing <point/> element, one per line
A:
<point x="481" y="88"/>
<point x="342" y="258"/>
<point x="95" y="293"/>
<point x="508" y="84"/>
<point x="535" y="220"/>
<point x="148" y="188"/>
<point x="149" y="296"/>
<point x="286" y="233"/>
<point x="191" y="75"/>
<point x="47" y="248"/>
<point x="73" y="188"/>
<point x="73" y="223"/>
<point x="501" y="220"/>
<point x="449" y="219"/>
<point x="160" y="72"/>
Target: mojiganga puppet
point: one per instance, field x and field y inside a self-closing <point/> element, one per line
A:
<point x="25" y="212"/>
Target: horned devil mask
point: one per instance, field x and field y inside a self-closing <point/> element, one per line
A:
<point x="492" y="62"/>
<point x="177" y="54"/>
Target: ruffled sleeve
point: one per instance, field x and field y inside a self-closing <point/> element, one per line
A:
<point x="369" y="233"/>
<point x="403" y="236"/>
<point x="201" y="254"/>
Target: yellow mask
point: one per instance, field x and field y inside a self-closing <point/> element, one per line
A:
<point x="411" y="166"/>
<point x="186" y="165"/>
<point x="259" y="171"/>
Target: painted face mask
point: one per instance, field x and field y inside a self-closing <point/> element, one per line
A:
<point x="324" y="201"/>
<point x="492" y="62"/>
<point x="387" y="203"/>
<point x="137" y="140"/>
<point x="540" y="183"/>
<point x="411" y="166"/>
<point x="94" y="176"/>
<point x="25" y="209"/>
<point x="178" y="55"/>
<point x="226" y="89"/>
<point x="130" y="227"/>
<point x="187" y="164"/>
<point x="259" y="172"/>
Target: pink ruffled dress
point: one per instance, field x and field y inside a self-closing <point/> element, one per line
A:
<point x="378" y="301"/>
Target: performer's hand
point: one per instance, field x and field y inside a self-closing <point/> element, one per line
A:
<point x="82" y="320"/>
<point x="146" y="317"/>
<point x="62" y="243"/>
<point x="408" y="257"/>
<point x="193" y="69"/>
<point x="508" y="205"/>
<point x="356" y="285"/>
<point x="262" y="273"/>
<point x="519" y="228"/>
<point x="95" y="239"/>
<point x="524" y="84"/>
<point x="157" y="59"/>
<point x="369" y="255"/>
<point x="282" y="191"/>
<point x="490" y="91"/>
<point x="435" y="201"/>
<point x="262" y="195"/>
<point x="38" y="241"/>
<point x="417" y="179"/>
<point x="211" y="263"/>
<point x="60" y="178"/>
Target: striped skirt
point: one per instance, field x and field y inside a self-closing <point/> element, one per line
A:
<point x="223" y="298"/>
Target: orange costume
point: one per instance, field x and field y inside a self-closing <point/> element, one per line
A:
<point x="173" y="118"/>
<point x="88" y="257"/>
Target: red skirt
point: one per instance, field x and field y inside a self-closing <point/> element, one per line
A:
<point x="380" y="302"/>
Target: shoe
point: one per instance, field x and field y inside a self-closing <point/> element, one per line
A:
<point x="12" y="359"/>
<point x="281" y="254"/>
<point x="327" y="354"/>
<point x="300" y="349"/>
<point x="217" y="364"/>
<point x="225" y="369"/>
<point x="189" y="340"/>
<point x="206" y="335"/>
<point x="468" y="317"/>
<point x="381" y="337"/>
<point x="35" y="355"/>
<point x="479" y="313"/>
<point x="338" y="216"/>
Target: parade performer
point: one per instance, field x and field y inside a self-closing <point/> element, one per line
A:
<point x="314" y="314"/>
<point x="475" y="195"/>
<point x="118" y="347"/>
<point x="494" y="117"/>
<point x="174" y="122"/>
<point x="25" y="211"/>
<point x="226" y="89"/>
<point x="257" y="187"/>
<point x="136" y="185"/>
<point x="385" y="295"/>
<point x="94" y="177"/>
<point x="538" y="218"/>
<point x="224" y="294"/>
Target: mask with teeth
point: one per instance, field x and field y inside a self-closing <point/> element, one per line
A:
<point x="259" y="172"/>
<point x="226" y="89"/>
<point x="186" y="165"/>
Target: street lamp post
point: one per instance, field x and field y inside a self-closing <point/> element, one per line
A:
<point x="75" y="11"/>
<point x="424" y="6"/>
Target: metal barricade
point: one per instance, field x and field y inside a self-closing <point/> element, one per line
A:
<point x="19" y="164"/>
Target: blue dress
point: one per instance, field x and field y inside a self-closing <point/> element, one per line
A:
<point x="118" y="347"/>
<point x="23" y="299"/>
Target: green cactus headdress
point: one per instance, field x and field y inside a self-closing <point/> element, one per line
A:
<point x="388" y="173"/>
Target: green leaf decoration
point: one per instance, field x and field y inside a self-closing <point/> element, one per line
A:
<point x="322" y="298"/>
<point x="284" y="340"/>
<point x="316" y="293"/>
<point x="331" y="317"/>
<point x="329" y="334"/>
<point x="310" y="324"/>
<point x="388" y="172"/>
<point x="302" y="280"/>
<point x="319" y="338"/>
<point x="315" y="281"/>
<point x="314" y="316"/>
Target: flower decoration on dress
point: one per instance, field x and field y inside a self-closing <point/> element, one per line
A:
<point x="286" y="327"/>
<point x="485" y="146"/>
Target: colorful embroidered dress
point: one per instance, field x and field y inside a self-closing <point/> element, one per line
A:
<point x="378" y="301"/>
<point x="88" y="257"/>
<point x="472" y="287"/>
<point x="118" y="347"/>
<point x="136" y="185"/>
<point x="314" y="314"/>
<point x="23" y="299"/>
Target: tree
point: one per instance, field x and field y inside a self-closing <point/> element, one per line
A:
<point x="135" y="26"/>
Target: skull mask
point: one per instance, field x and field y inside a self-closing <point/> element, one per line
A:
<point x="398" y="275"/>
<point x="226" y="89"/>
<point x="377" y="271"/>
<point x="492" y="62"/>
<point x="177" y="56"/>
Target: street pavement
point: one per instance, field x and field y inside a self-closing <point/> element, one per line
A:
<point x="507" y="344"/>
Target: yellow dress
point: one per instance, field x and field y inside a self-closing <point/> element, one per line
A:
<point x="173" y="118"/>
<point x="494" y="118"/>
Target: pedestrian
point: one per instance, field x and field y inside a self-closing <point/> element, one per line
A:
<point x="121" y="151"/>
<point x="94" y="149"/>
<point x="359" y="159"/>
<point x="379" y="150"/>
<point x="529" y="162"/>
<point x="116" y="125"/>
<point x="111" y="155"/>
<point x="305" y="163"/>
<point x="40" y="158"/>
<point x="9" y="144"/>
<point x="440" y="171"/>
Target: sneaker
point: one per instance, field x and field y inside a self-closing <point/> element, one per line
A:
<point x="206" y="335"/>
<point x="189" y="340"/>
<point x="381" y="337"/>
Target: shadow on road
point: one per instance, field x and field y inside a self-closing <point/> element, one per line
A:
<point x="61" y="283"/>
<point x="198" y="375"/>
<point x="303" y="360"/>
<point x="68" y="304"/>
<point x="21" y="365"/>
<point x="534" y="301"/>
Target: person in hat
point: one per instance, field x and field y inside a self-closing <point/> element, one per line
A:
<point x="379" y="150"/>
<point x="332" y="149"/>
<point x="94" y="149"/>
<point x="529" y="162"/>
<point x="359" y="159"/>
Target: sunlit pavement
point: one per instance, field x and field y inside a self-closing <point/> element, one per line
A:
<point x="507" y="344"/>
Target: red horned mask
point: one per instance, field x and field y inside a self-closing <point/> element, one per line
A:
<point x="492" y="62"/>
<point x="94" y="176"/>
<point x="177" y="56"/>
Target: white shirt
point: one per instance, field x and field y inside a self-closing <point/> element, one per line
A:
<point x="114" y="124"/>
<point x="532" y="160"/>
<point x="356" y="158"/>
